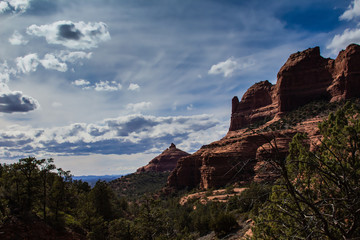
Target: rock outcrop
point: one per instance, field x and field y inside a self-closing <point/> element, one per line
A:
<point x="257" y="104"/>
<point x="164" y="162"/>
<point x="233" y="158"/>
<point x="306" y="76"/>
<point x="241" y="155"/>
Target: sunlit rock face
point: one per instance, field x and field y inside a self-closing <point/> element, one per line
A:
<point x="242" y="154"/>
<point x="306" y="76"/>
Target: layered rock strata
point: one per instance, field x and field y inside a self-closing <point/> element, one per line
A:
<point x="306" y="76"/>
<point x="242" y="154"/>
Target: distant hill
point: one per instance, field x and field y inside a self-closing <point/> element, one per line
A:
<point x="137" y="184"/>
<point x="92" y="179"/>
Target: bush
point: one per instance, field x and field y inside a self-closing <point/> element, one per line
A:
<point x="121" y="229"/>
<point x="250" y="199"/>
<point x="223" y="224"/>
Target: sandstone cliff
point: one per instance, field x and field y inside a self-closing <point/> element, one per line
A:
<point x="241" y="155"/>
<point x="306" y="76"/>
<point x="166" y="161"/>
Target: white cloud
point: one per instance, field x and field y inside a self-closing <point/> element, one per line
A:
<point x="75" y="35"/>
<point x="107" y="86"/>
<point x="229" y="66"/>
<point x="4" y="6"/>
<point x="352" y="12"/>
<point x="137" y="107"/>
<point x="17" y="39"/>
<point x="15" y="6"/>
<point x="81" y="82"/>
<point x="134" y="87"/>
<point x="349" y="36"/>
<point x="101" y="86"/>
<point x="5" y="72"/>
<point x="19" y="5"/>
<point x="51" y="62"/>
<point x="72" y="57"/>
<point x="4" y="77"/>
<point x="27" y="63"/>
<point x="341" y="41"/>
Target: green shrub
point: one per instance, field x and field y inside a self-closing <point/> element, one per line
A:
<point x="223" y="224"/>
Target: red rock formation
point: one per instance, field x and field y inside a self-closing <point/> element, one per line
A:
<point x="255" y="105"/>
<point x="303" y="78"/>
<point x="346" y="74"/>
<point x="241" y="155"/>
<point x="166" y="161"/>
<point x="306" y="76"/>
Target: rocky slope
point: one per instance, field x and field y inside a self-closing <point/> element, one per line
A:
<point x="166" y="161"/>
<point x="150" y="178"/>
<point x="241" y="155"/>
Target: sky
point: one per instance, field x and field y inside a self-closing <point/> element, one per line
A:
<point x="103" y="86"/>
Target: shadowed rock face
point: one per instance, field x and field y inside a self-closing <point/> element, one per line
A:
<point x="306" y="76"/>
<point x="303" y="78"/>
<point x="166" y="161"/>
<point x="241" y="155"/>
<point x="255" y="105"/>
<point x="233" y="158"/>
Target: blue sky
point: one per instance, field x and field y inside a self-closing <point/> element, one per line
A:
<point x="103" y="86"/>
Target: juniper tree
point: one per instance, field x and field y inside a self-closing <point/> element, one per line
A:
<point x="318" y="194"/>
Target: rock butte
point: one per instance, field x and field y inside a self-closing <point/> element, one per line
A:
<point x="240" y="155"/>
<point x="166" y="161"/>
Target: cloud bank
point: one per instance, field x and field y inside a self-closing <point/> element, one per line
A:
<point x="123" y="135"/>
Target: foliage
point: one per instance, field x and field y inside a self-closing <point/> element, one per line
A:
<point x="250" y="199"/>
<point x="121" y="229"/>
<point x="36" y="187"/>
<point x="310" y="110"/>
<point x="134" y="186"/>
<point x="318" y="195"/>
<point x="223" y="224"/>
